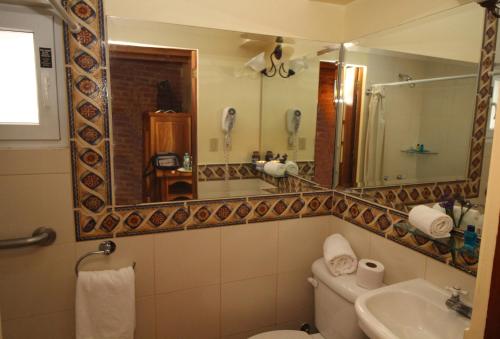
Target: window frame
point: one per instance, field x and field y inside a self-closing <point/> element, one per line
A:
<point x="52" y="130"/>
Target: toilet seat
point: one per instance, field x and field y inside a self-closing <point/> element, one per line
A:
<point x="286" y="334"/>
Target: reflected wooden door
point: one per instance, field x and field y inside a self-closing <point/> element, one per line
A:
<point x="325" y="125"/>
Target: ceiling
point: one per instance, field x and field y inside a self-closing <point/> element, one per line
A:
<point x="336" y="2"/>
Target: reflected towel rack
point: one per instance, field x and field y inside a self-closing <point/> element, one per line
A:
<point x="42" y="236"/>
<point x="105" y="248"/>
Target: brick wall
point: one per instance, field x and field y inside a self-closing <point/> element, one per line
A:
<point x="325" y="125"/>
<point x="134" y="91"/>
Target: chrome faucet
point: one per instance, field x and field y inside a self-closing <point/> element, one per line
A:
<point x="455" y="303"/>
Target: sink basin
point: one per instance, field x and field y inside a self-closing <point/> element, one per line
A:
<point x="413" y="309"/>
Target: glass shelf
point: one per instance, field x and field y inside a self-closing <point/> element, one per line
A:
<point x="414" y="151"/>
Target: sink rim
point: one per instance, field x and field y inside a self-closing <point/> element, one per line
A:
<point x="374" y="328"/>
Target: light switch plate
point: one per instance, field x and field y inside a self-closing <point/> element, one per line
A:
<point x="213" y="145"/>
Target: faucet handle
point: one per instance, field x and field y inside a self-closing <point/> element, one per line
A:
<point x="456" y="291"/>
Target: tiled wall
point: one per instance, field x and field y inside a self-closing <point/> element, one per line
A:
<point x="230" y="281"/>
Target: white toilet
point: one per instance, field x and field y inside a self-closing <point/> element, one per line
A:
<point x="334" y="299"/>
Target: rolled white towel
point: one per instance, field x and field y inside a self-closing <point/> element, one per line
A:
<point x="339" y="256"/>
<point x="472" y="217"/>
<point x="291" y="168"/>
<point x="431" y="221"/>
<point x="275" y="168"/>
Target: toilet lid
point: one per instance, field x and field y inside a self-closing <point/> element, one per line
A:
<point x="282" y="335"/>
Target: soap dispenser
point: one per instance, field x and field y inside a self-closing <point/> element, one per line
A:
<point x="470" y="242"/>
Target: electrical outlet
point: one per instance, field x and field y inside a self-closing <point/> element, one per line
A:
<point x="213" y="145"/>
<point x="302" y="144"/>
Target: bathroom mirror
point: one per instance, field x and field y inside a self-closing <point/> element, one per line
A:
<point x="411" y="132"/>
<point x="195" y="117"/>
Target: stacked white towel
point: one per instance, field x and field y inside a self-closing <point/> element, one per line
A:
<point x="431" y="221"/>
<point x="472" y="217"/>
<point x="339" y="256"/>
<point x="291" y="168"/>
<point x="105" y="304"/>
<point x="275" y="168"/>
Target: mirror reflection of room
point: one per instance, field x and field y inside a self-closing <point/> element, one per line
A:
<point x="414" y="120"/>
<point x="214" y="114"/>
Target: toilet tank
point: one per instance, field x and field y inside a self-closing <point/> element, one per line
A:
<point x="334" y="299"/>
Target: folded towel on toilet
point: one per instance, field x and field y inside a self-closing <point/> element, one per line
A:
<point x="105" y="304"/>
<point x="339" y="256"/>
<point x="431" y="221"/>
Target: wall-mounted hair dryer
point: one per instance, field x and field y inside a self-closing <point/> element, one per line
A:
<point x="228" y="120"/>
<point x="293" y="117"/>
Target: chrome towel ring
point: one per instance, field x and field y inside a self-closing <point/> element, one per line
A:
<point x="105" y="248"/>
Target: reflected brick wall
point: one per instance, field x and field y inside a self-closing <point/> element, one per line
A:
<point x="325" y="125"/>
<point x="134" y="91"/>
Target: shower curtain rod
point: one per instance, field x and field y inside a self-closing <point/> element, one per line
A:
<point x="419" y="81"/>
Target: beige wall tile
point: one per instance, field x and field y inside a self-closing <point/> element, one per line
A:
<point x="301" y="242"/>
<point x="443" y="275"/>
<point x="36" y="281"/>
<point x="248" y="305"/>
<point x="400" y="263"/>
<point x="358" y="238"/>
<point x="145" y="315"/>
<point x="60" y="325"/>
<point x="187" y="259"/>
<point x="249" y="251"/>
<point x="35" y="161"/>
<point x="138" y="249"/>
<point x="295" y="301"/>
<point x="187" y="314"/>
<point x="30" y="201"/>
<point x="248" y="334"/>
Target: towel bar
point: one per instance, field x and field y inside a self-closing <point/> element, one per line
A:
<point x="105" y="248"/>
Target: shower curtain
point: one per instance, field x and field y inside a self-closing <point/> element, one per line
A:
<point x="374" y="141"/>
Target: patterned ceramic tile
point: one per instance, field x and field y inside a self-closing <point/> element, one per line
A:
<point x="97" y="217"/>
<point x="275" y="207"/>
<point x="218" y="212"/>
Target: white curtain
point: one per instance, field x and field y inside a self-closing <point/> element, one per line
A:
<point x="374" y="141"/>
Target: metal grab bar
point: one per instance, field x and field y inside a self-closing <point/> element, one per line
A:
<point x="42" y="236"/>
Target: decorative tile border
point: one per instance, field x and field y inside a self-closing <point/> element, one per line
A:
<point x="97" y="217"/>
<point x="208" y="172"/>
<point x="484" y="93"/>
<point x="402" y="197"/>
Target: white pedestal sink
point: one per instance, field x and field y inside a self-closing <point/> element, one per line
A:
<point x="413" y="309"/>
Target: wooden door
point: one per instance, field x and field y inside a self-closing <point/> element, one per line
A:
<point x="325" y="125"/>
<point x="350" y="130"/>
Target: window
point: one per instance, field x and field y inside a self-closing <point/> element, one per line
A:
<point x="31" y="44"/>
<point x="19" y="79"/>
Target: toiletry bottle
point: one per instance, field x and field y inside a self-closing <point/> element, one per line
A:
<point x="470" y="237"/>
<point x="187" y="161"/>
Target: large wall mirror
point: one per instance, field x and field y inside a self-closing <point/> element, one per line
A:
<point x="410" y="101"/>
<point x="196" y="112"/>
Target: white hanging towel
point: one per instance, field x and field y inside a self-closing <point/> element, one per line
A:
<point x="431" y="221"/>
<point x="105" y="304"/>
<point x="339" y="256"/>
